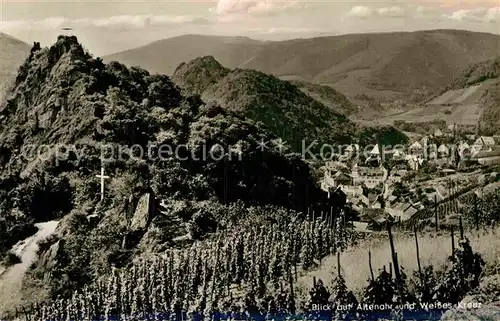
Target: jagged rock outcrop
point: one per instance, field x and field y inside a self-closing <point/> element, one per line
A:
<point x="47" y="260"/>
<point x="144" y="212"/>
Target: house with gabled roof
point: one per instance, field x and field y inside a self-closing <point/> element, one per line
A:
<point x="370" y="176"/>
<point x="340" y="179"/>
<point x="403" y="211"/>
<point x="484" y="143"/>
<point x="398" y="154"/>
<point x="438" y="133"/>
<point x="487" y="157"/>
<point x="416" y="149"/>
<point x="349" y="152"/>
<point x="443" y="151"/>
<point x="375" y="155"/>
<point x="375" y="150"/>
<point x="416" y="145"/>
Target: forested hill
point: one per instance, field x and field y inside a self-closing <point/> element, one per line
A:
<point x="64" y="96"/>
<point x="281" y="106"/>
<point x="476" y="74"/>
<point x="300" y="113"/>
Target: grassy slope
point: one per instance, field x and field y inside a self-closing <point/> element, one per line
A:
<point x="433" y="250"/>
<point x="480" y="84"/>
<point x="472" y="96"/>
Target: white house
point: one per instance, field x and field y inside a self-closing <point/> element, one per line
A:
<point x="349" y="152"/>
<point x="484" y="143"/>
<point x="375" y="151"/>
<point x="464" y="150"/>
<point x="443" y="151"/>
<point x="370" y="176"/>
<point x="416" y="148"/>
<point x="414" y="162"/>
<point x="398" y="154"/>
<point x="438" y="133"/>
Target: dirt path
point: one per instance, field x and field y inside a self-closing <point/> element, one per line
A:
<point x="11" y="279"/>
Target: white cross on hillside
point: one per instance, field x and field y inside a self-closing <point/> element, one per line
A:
<point x="102" y="177"/>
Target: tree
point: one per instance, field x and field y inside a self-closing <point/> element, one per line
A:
<point x="461" y="275"/>
<point x="341" y="294"/>
<point x="318" y="295"/>
<point x="423" y="284"/>
<point x="382" y="290"/>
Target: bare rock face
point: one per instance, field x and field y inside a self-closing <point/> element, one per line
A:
<point x="48" y="259"/>
<point x="144" y="212"/>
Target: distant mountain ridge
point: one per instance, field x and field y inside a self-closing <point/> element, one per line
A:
<point x="12" y="53"/>
<point x="164" y="56"/>
<point x="383" y="64"/>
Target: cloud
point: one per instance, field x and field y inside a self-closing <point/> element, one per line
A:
<point x="475" y="15"/>
<point x="123" y="22"/>
<point x="260" y="7"/>
<point x="45" y="24"/>
<point x="493" y="14"/>
<point x="427" y="13"/>
<point x="478" y="15"/>
<point x="423" y="10"/>
<point x="393" y="11"/>
<point x="360" y="12"/>
<point x="363" y="12"/>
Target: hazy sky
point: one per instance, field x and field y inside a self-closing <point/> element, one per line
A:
<point x="109" y="26"/>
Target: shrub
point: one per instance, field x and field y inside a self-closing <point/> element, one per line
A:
<point x="15" y="233"/>
<point x="11" y="259"/>
<point x="201" y="223"/>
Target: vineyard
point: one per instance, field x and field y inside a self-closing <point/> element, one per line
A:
<point x="252" y="271"/>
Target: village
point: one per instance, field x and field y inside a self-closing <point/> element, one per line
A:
<point x="442" y="168"/>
